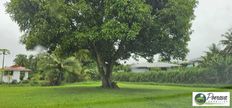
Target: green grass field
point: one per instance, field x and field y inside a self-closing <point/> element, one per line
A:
<point x="89" y="95"/>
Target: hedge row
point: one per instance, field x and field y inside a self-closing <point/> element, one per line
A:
<point x="186" y="75"/>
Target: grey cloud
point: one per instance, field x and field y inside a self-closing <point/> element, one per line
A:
<point x="213" y="18"/>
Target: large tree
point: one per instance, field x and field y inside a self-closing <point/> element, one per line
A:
<point x="110" y="30"/>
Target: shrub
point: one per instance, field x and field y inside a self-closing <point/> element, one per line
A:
<point x="93" y="74"/>
<point x="14" y="82"/>
<point x="44" y="83"/>
<point x="74" y="77"/>
<point x="24" y="82"/>
<point x="34" y="83"/>
<point x="54" y="77"/>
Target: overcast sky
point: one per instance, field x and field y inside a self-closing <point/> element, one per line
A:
<point x="213" y="18"/>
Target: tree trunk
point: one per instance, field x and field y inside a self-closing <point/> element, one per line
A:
<point x="105" y="67"/>
<point x="105" y="70"/>
<point x="3" y="59"/>
<point x="2" y="74"/>
<point x="106" y="82"/>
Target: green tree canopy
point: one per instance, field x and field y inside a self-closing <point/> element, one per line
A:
<point x="21" y="60"/>
<point x="109" y="29"/>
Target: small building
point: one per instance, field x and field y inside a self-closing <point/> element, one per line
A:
<point x="14" y="74"/>
<point x="143" y="67"/>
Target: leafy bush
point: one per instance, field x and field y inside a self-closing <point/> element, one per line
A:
<point x="54" y="77"/>
<point x="93" y="74"/>
<point x="71" y="77"/>
<point x="57" y="69"/>
<point x="24" y="81"/>
<point x="222" y="69"/>
<point x="34" y="81"/>
<point x="44" y="83"/>
<point x="14" y="82"/>
<point x="39" y="83"/>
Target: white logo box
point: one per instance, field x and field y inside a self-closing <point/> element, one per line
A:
<point x="213" y="99"/>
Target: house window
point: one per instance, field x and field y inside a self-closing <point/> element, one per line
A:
<point x="11" y="73"/>
<point x="8" y="73"/>
<point x="22" y="75"/>
<point x="5" y="73"/>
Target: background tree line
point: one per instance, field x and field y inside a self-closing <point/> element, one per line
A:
<point x="215" y="68"/>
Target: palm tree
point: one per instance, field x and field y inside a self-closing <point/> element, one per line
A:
<point x="21" y="60"/>
<point x="32" y="62"/>
<point x="56" y="67"/>
<point x="84" y="57"/>
<point x="211" y="55"/>
<point x="227" y="42"/>
<point x="4" y="52"/>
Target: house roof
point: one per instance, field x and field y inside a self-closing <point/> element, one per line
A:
<point x="17" y="68"/>
<point x="196" y="60"/>
<point x="156" y="64"/>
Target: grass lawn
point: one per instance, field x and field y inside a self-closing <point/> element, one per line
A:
<point x="89" y="95"/>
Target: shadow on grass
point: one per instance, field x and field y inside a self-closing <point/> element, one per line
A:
<point x="94" y="90"/>
<point x="223" y="86"/>
<point x="226" y="87"/>
<point x="151" y="94"/>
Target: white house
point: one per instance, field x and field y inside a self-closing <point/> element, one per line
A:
<point x="143" y="67"/>
<point x="14" y="73"/>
